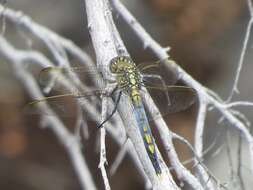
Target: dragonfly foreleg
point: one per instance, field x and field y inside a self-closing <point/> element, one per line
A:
<point x="113" y="111"/>
<point x="162" y="82"/>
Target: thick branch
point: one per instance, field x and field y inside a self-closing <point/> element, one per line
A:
<point x="103" y="38"/>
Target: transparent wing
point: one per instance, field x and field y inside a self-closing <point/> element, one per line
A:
<point x="56" y="80"/>
<point x="170" y="99"/>
<point x="65" y="105"/>
<point x="54" y="77"/>
<point x="159" y="79"/>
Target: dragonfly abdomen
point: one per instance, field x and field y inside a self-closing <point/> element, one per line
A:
<point x="146" y="135"/>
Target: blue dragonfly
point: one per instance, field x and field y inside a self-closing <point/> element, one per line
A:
<point x="131" y="82"/>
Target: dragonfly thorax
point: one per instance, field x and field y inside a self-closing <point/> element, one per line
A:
<point x="128" y="76"/>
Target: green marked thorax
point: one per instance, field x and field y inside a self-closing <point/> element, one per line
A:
<point x="129" y="80"/>
<point x="127" y="74"/>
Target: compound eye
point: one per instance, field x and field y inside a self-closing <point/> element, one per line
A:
<point x="113" y="67"/>
<point x="118" y="64"/>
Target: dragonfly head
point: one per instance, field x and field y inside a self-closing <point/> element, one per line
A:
<point x="121" y="63"/>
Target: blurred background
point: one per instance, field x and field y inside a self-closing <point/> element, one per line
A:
<point x="205" y="37"/>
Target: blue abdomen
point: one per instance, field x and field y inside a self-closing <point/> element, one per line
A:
<point x="145" y="130"/>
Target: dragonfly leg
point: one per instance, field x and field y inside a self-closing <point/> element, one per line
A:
<point x="144" y="66"/>
<point x="162" y="82"/>
<point x="114" y="109"/>
<point x="114" y="90"/>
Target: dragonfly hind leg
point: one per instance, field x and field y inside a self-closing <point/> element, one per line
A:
<point x="164" y="86"/>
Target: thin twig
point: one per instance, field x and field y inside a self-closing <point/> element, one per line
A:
<point x="239" y="103"/>
<point x="229" y="156"/>
<point x="103" y="160"/>
<point x="239" y="164"/>
<point x="243" y="52"/>
<point x="199" y="132"/>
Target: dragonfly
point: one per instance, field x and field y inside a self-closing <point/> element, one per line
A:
<point x="130" y="81"/>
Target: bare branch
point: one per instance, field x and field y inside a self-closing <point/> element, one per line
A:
<point x="199" y="132"/>
<point x="103" y="159"/>
<point x="239" y="165"/>
<point x="66" y="138"/>
<point x="242" y="57"/>
<point x="243" y="52"/>
<point x="103" y="38"/>
<point x="239" y="103"/>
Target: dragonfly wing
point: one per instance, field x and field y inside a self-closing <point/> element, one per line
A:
<point x="171" y="99"/>
<point x="64" y="105"/>
<point x="181" y="98"/>
<point x="54" y="105"/>
<point x="55" y="76"/>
